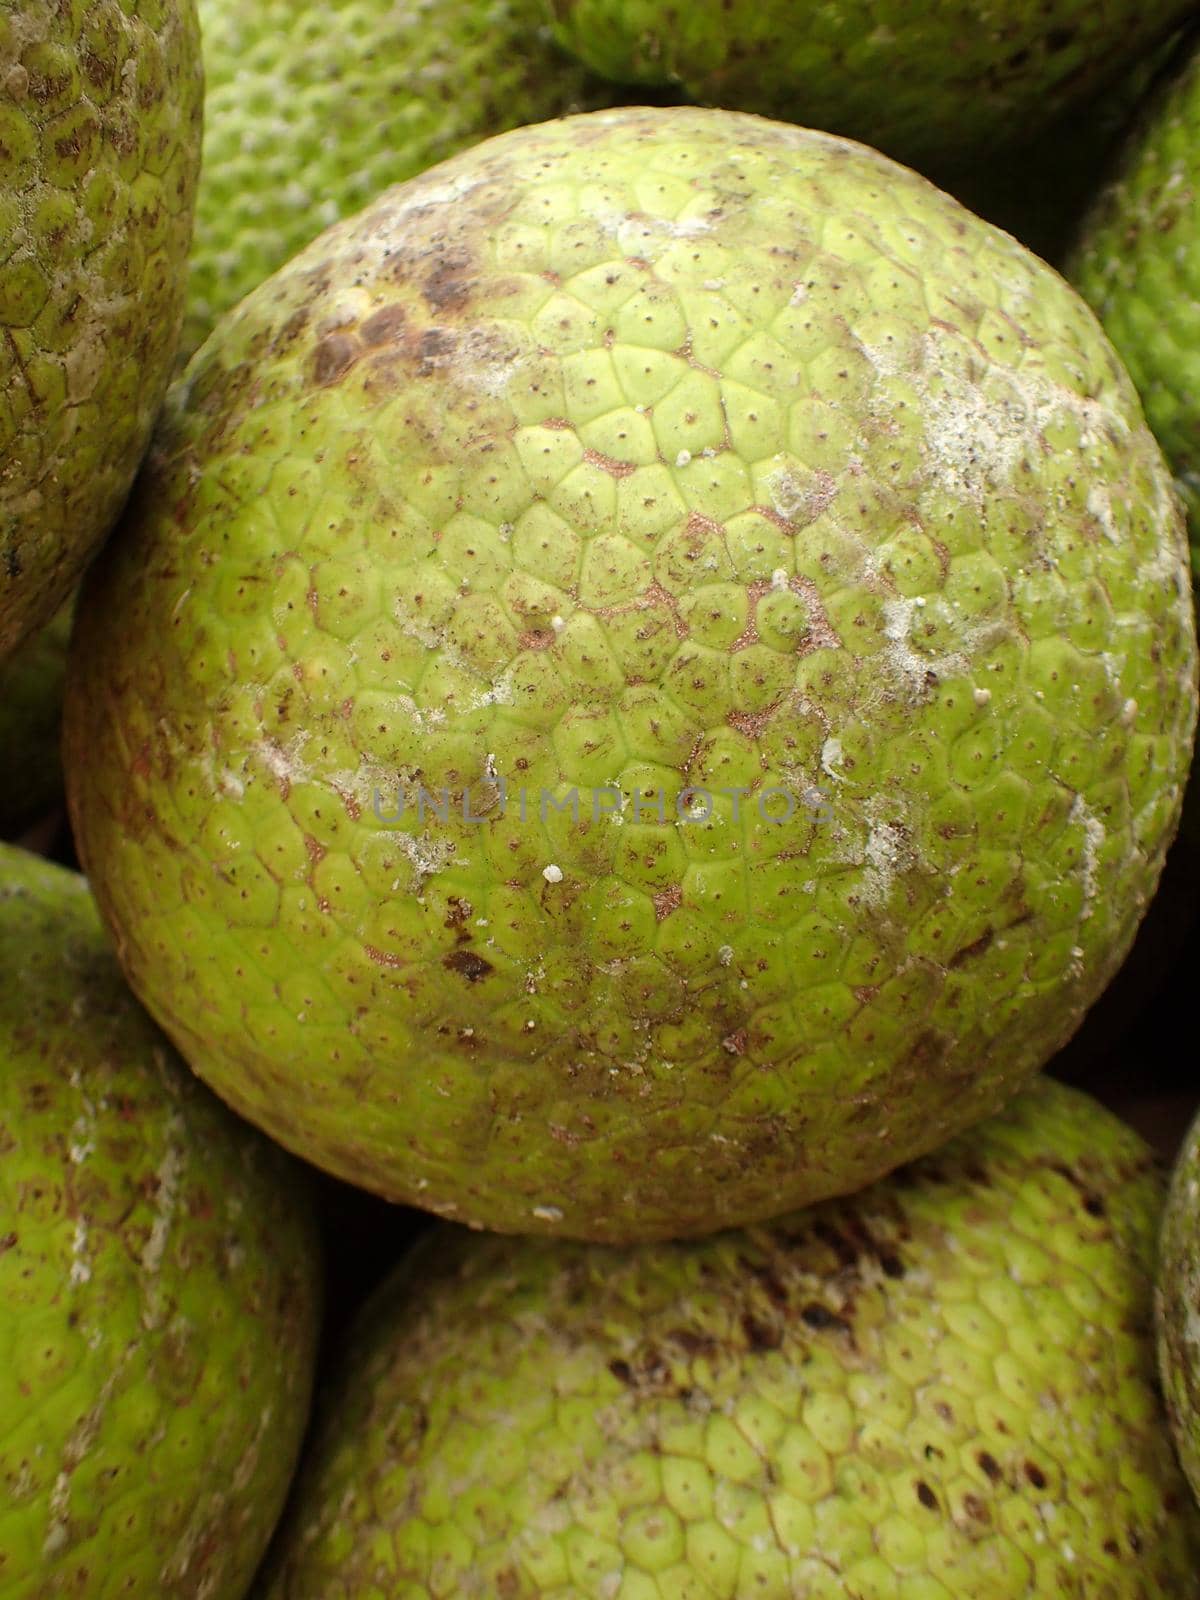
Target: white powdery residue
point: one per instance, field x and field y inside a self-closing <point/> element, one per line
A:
<point x="391" y="225"/>
<point x="886" y="855"/>
<point x="60" y="1499"/>
<point x="799" y="294"/>
<point x="779" y="580"/>
<point x="284" y="761"/>
<point x="831" y="759"/>
<point x="80" y="1272"/>
<point x="725" y="954"/>
<point x="1093" y="842"/>
<point x="1099" y="505"/>
<point x="552" y="874"/>
<point x="481" y="365"/>
<point x="908" y="666"/>
<point x="684" y="458"/>
<point x="547" y="1213"/>
<point x="976" y="436"/>
<point x="499" y="693"/>
<point x="170" y="1170"/>
<point x="426" y="855"/>
<point x="800" y="496"/>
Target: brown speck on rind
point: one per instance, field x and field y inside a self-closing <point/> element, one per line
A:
<point x="735" y="1042"/>
<point x="614" y="468"/>
<point x="989" y="1466"/>
<point x="926" y="1496"/>
<point x="621" y="1371"/>
<point x="1035" y="1475"/>
<point x="472" y="967"/>
<point x="667" y="901"/>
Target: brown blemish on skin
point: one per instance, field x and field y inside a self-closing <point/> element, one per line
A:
<point x="735" y="1042"/>
<point x="333" y="358"/>
<point x="472" y="967"/>
<point x="970" y="951"/>
<point x="383" y="326"/>
<point x="446" y="288"/>
<point x="989" y="1466"/>
<point x="614" y="468"/>
<point x="667" y="901"/>
<point x="382" y="957"/>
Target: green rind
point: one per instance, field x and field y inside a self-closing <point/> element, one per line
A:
<point x="313" y="108"/>
<point x="159" y="1285"/>
<point x="1177" y="1303"/>
<point x="943" y="1389"/>
<point x="663" y="450"/>
<point x="1137" y="261"/>
<point x="100" y="111"/>
<point x="31" y="691"/>
<point x="939" y="83"/>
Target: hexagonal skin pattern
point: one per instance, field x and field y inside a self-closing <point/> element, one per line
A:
<point x="100" y="105"/>
<point x="1137" y="262"/>
<point x="935" y="82"/>
<point x="1177" y="1304"/>
<point x="942" y="1389"/>
<point x="314" y="107"/>
<point x="31" y="691"/>
<point x="159" y="1285"/>
<point x="655" y="457"/>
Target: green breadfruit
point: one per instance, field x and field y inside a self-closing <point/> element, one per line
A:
<point x="158" y="1285"/>
<point x="943" y="1389"/>
<point x="941" y="83"/>
<point x="100" y="109"/>
<point x="648" y="681"/>
<point x="1137" y="261"/>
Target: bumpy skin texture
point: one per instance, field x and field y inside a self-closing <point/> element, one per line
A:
<point x="158" y="1285"/>
<point x="31" y="691"/>
<point x="312" y="108"/>
<point x="1177" y="1303"/>
<point x="941" y="1390"/>
<point x="1138" y="263"/>
<point x="677" y="452"/>
<point x="100" y="107"/>
<point x="934" y="82"/>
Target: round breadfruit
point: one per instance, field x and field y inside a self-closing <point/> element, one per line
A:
<point x="100" y="105"/>
<point x="648" y="681"/>
<point x="943" y="1389"/>
<point x="158" y="1285"/>
<point x="313" y="107"/>
<point x="31" y="691"/>
<point x="1137" y="261"/>
<point x="1178" y="1305"/>
<point x="941" y="83"/>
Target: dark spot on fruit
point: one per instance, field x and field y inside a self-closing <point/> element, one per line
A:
<point x="445" y="289"/>
<point x="758" y="1336"/>
<point x="1094" y="1206"/>
<point x="821" y="1318"/>
<point x="1060" y="38"/>
<point x="1035" y="1475"/>
<point x="333" y="359"/>
<point x="989" y="1466"/>
<point x="8" y="1242"/>
<point x="1135" y="1541"/>
<point x="892" y="1266"/>
<point x="970" y="951"/>
<point x="457" y="911"/>
<point x="383" y="326"/>
<point x="975" y="1508"/>
<point x="472" y="967"/>
<point x="926" y="1496"/>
